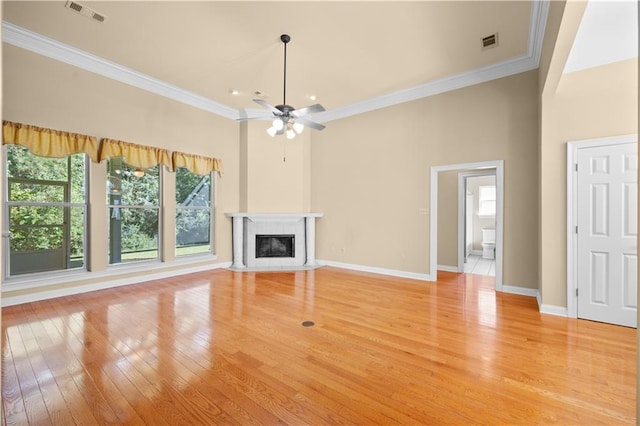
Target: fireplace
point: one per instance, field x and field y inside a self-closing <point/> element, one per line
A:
<point x="273" y="241"/>
<point x="275" y="246"/>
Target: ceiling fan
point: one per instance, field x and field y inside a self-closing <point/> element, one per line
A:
<point x="285" y="118"/>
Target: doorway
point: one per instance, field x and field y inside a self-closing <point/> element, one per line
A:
<point x="602" y="230"/>
<point x="498" y="166"/>
<point x="477" y="221"/>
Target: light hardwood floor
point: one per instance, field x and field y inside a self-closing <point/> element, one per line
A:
<point x="230" y="348"/>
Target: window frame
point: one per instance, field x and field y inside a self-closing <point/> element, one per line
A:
<point x="211" y="209"/>
<point x="159" y="208"/>
<point x="7" y="204"/>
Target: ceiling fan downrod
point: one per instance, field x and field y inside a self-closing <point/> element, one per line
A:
<point x="285" y="39"/>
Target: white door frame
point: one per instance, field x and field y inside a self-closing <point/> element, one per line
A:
<point x="462" y="206"/>
<point x="572" y="211"/>
<point x="433" y="206"/>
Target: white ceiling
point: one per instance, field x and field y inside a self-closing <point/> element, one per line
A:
<point x="354" y="56"/>
<point x="608" y="33"/>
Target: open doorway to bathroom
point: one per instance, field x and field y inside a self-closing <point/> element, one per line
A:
<point x="477" y="222"/>
<point x="446" y="242"/>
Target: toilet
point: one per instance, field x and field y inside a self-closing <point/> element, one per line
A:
<point x="488" y="243"/>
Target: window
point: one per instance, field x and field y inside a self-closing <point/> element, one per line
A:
<point x="133" y="200"/>
<point x="487" y="201"/>
<point x="193" y="212"/>
<point x="45" y="211"/>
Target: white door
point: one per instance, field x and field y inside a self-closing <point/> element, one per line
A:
<point x="607" y="233"/>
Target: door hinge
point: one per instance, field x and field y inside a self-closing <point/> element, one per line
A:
<point x="576" y="167"/>
<point x="576" y="292"/>
<point x="576" y="229"/>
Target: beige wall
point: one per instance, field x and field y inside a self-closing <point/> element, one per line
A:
<point x="598" y="102"/>
<point x="448" y="219"/>
<point x="370" y="174"/>
<point x="47" y="93"/>
<point x="276" y="174"/>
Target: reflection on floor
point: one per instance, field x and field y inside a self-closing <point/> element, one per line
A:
<point x="477" y="265"/>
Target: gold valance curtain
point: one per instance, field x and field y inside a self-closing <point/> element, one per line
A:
<point x="135" y="155"/>
<point x="58" y="144"/>
<point x="48" y="142"/>
<point x="196" y="164"/>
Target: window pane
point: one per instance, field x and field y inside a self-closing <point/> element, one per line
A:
<point x="40" y="179"/>
<point x="487" y="193"/>
<point x="193" y="232"/>
<point x="193" y="213"/>
<point x="133" y="234"/>
<point x="36" y="192"/>
<point x="32" y="216"/>
<point x="45" y="238"/>
<point x="78" y="169"/>
<point x="192" y="190"/>
<point x="487" y="208"/>
<point x="130" y="186"/>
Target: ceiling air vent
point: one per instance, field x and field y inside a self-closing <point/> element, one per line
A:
<point x="490" y="41"/>
<point x="85" y="11"/>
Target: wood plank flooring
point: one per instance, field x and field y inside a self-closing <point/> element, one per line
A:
<point x="223" y="347"/>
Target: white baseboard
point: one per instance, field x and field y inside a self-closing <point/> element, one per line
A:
<point x="477" y="252"/>
<point x="523" y="291"/>
<point x="446" y="268"/>
<point x="70" y="291"/>
<point x="375" y="270"/>
<point x="559" y="311"/>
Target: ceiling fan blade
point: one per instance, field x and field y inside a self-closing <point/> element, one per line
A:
<point x="307" y="110"/>
<point x="268" y="106"/>
<point x="310" y="123"/>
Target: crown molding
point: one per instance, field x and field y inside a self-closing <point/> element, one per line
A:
<point x="431" y="88"/>
<point x="531" y="61"/>
<point x="46" y="46"/>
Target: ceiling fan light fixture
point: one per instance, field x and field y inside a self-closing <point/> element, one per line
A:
<point x="278" y="124"/>
<point x="272" y="131"/>
<point x="298" y="127"/>
<point x="291" y="134"/>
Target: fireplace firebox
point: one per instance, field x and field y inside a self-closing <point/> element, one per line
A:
<point x="275" y="246"/>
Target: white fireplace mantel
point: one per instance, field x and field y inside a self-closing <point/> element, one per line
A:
<point x="247" y="225"/>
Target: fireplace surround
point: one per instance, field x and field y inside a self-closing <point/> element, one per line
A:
<point x="273" y="241"/>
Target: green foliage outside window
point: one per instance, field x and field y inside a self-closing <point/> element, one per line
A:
<point x="34" y="180"/>
<point x="193" y="212"/>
